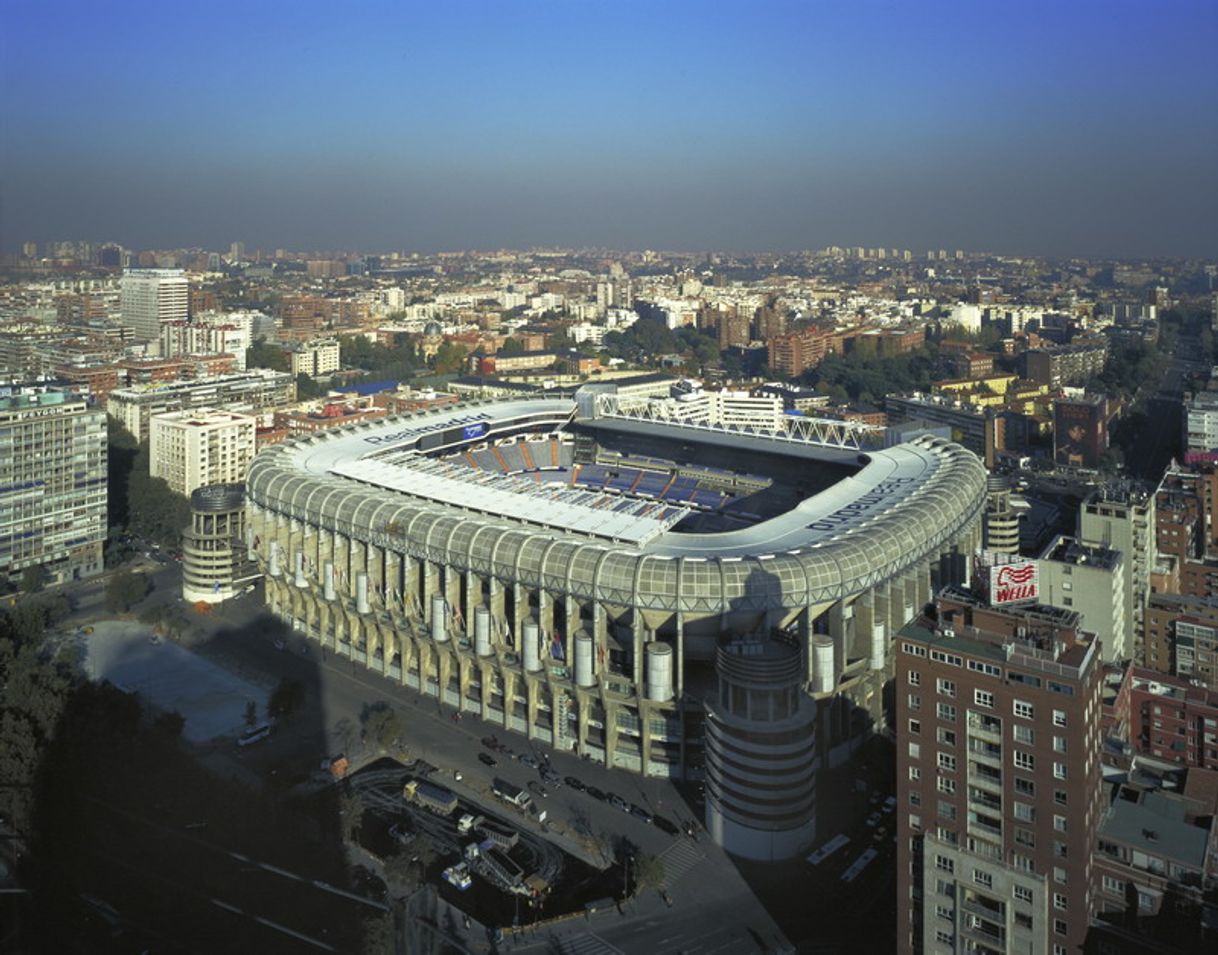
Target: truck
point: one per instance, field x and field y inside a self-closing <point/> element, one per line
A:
<point x="469" y="822"/>
<point x="511" y="793"/>
<point x="433" y="798"/>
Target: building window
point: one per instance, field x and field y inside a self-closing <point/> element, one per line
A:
<point x="947" y="810"/>
<point x="1059" y="901"/>
<point x="947" y="762"/>
<point x="915" y="750"/>
<point x="983" y="878"/>
<point x="1022" y="894"/>
<point x="1025" y="711"/>
<point x="915" y="701"/>
<point x="915" y="726"/>
<point x="1114" y="886"/>
<point x="1059" y="875"/>
<point x="946" y="712"/>
<point x="1059" y="717"/>
<point x="915" y="822"/>
<point x="946" y="737"/>
<point x="1025" y="787"/>
<point x="1023" y="920"/>
<point x="944" y="938"/>
<point x="947" y="785"/>
<point x="946" y="687"/>
<point x="915" y="798"/>
<point x="1059" y="744"/>
<point x="1024" y="734"/>
<point x="1059" y="770"/>
<point x="945" y="912"/>
<point x="915" y="678"/>
<point x="1059" y="823"/>
<point x="1059" y="797"/>
<point x="1024" y="760"/>
<point x="983" y="698"/>
<point x="1024" y="812"/>
<point x="1059" y="926"/>
<point x="915" y="773"/>
<point x="944" y="887"/>
<point x="944" y="864"/>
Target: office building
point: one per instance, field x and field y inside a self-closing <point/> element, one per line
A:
<point x="193" y="449"/>
<point x="998" y="779"/>
<point x="52" y="483"/>
<point x="1080" y="431"/>
<point x="151" y="297"/>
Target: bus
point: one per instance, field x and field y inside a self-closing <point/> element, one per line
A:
<point x="830" y="847"/>
<point x="859" y="864"/>
<point x="254" y="734"/>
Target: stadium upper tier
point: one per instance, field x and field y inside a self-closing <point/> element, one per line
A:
<point x="385" y="478"/>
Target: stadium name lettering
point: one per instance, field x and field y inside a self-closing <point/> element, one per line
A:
<point x="844" y="515"/>
<point x="463" y="422"/>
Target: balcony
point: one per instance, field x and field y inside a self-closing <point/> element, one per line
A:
<point x="984" y="930"/>
<point x="985" y="727"/>
<point x="985" y="776"/>
<point x="983" y="750"/>
<point x="984" y="827"/>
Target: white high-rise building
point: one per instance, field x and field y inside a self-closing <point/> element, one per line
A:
<point x="192" y="449"/>
<point x="151" y="297"/>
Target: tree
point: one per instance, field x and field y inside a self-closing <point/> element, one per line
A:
<point x="448" y="359"/>
<point x="381" y="724"/>
<point x="171" y="724"/>
<point x="163" y="514"/>
<point x="308" y="388"/>
<point x="124" y="590"/>
<point x="286" y="699"/>
<point x="345" y="732"/>
<point x="511" y="346"/>
<point x="648" y="872"/>
<point x="33" y="579"/>
<point x="262" y="354"/>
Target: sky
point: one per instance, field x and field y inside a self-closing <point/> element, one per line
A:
<point x="1077" y="128"/>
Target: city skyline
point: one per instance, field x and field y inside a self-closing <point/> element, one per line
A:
<point x="1086" y="132"/>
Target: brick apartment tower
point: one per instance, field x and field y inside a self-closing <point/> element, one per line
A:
<point x="998" y="779"/>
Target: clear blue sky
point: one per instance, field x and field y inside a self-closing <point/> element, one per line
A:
<point x="1041" y="127"/>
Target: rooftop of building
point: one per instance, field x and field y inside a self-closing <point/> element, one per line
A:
<point x="1168" y="687"/>
<point x="1183" y="603"/>
<point x="1069" y="550"/>
<point x="1156" y="822"/>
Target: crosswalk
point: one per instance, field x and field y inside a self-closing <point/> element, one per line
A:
<point x="588" y="944"/>
<point x="678" y="859"/>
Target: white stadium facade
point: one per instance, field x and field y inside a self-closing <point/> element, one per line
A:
<point x="663" y="591"/>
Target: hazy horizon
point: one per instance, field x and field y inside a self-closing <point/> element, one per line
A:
<point x="1084" y="130"/>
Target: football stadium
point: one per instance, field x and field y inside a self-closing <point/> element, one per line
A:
<point x="699" y="586"/>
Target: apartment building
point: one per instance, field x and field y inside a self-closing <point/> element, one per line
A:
<point x="1122" y="518"/>
<point x="1089" y="579"/>
<point x="998" y="779"/>
<point x="1182" y="637"/>
<point x="52" y="483"/>
<point x="250" y="391"/>
<point x="193" y="449"/>
<point x="315" y="358"/>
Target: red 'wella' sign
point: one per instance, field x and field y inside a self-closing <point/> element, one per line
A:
<point x="1012" y="582"/>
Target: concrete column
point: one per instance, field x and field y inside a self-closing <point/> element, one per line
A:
<point x="680" y="656"/>
<point x="645" y="738"/>
<point x="638" y="633"/>
<point x="520" y="607"/>
<point x="532" y="690"/>
<point x="473" y="599"/>
<point x="496" y="603"/>
<point x="805" y="622"/>
<point x="573" y="626"/>
<point x="841" y="629"/>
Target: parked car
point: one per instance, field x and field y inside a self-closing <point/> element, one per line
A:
<point x="665" y="825"/>
<point x="529" y="761"/>
<point x="490" y="743"/>
<point x="537" y="789"/>
<point x="487" y="759"/>
<point x="551" y="778"/>
<point x="596" y="793"/>
<point x="576" y="784"/>
<point x="617" y="802"/>
<point x="640" y="813"/>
